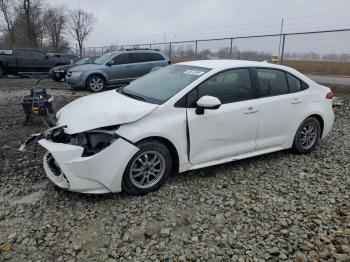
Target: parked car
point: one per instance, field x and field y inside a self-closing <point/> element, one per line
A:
<point x="58" y="73"/>
<point x="182" y="117"/>
<point x="28" y="60"/>
<point x="116" y="68"/>
<point x="71" y="57"/>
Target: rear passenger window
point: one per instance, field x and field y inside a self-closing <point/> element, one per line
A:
<point x="155" y="57"/>
<point x="272" y="82"/>
<point x="38" y="54"/>
<point x="231" y="86"/>
<point x="139" y="57"/>
<point x="121" y="59"/>
<point x="294" y="84"/>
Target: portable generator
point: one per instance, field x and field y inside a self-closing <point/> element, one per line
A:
<point x="38" y="103"/>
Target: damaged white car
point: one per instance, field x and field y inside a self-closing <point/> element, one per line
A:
<point x="182" y="117"/>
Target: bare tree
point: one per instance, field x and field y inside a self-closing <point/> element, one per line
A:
<point x="27" y="8"/>
<point x="80" y="26"/>
<point x="55" y="21"/>
<point x="31" y="19"/>
<point x="8" y="14"/>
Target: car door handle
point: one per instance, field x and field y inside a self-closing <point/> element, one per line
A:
<point x="251" y="110"/>
<point x="296" y="101"/>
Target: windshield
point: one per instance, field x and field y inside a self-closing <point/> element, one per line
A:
<point x="160" y="85"/>
<point x="81" y="61"/>
<point x="103" y="59"/>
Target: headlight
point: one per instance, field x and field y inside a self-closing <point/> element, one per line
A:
<point x="93" y="141"/>
<point x="76" y="73"/>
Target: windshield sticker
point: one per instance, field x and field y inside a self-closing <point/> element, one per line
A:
<point x="194" y="72"/>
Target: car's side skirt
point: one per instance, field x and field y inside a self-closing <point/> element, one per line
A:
<point x="234" y="158"/>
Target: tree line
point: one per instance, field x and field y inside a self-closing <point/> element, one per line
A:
<point x="36" y="24"/>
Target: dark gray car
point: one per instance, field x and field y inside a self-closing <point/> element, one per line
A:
<point x="116" y="68"/>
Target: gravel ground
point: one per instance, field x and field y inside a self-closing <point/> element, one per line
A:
<point x="276" y="207"/>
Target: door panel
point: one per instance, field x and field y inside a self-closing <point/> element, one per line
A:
<point x="280" y="109"/>
<point x="140" y="63"/>
<point x="232" y="128"/>
<point x="119" y="73"/>
<point x="40" y="62"/>
<point x="24" y="61"/>
<point x="121" y="70"/>
<point x="279" y="116"/>
<point x="228" y="131"/>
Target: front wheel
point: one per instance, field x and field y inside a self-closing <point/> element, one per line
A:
<point x="95" y="83"/>
<point x="307" y="136"/>
<point x="148" y="170"/>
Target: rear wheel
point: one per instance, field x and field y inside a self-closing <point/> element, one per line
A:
<point x="149" y="168"/>
<point x="95" y="83"/>
<point x="1" y="71"/>
<point x="307" y="136"/>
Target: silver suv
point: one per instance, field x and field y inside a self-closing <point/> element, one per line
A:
<point x="116" y="68"/>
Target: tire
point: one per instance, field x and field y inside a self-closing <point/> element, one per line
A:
<point x="307" y="136"/>
<point x="95" y="83"/>
<point x="152" y="156"/>
<point x="1" y="71"/>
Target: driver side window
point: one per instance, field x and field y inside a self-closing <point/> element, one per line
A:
<point x="121" y="59"/>
<point x="230" y="86"/>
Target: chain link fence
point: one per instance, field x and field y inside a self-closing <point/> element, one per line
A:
<point x="326" y="52"/>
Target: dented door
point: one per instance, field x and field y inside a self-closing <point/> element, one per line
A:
<point x="228" y="131"/>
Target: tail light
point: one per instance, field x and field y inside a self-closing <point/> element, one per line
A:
<point x="329" y="95"/>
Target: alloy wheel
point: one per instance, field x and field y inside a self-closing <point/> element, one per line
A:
<point x="308" y="135"/>
<point x="147" y="169"/>
<point x="96" y="84"/>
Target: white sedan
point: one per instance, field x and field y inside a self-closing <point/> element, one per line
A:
<point x="182" y="117"/>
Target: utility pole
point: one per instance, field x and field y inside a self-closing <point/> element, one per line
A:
<point x="279" y="47"/>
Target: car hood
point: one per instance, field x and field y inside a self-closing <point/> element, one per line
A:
<point x="101" y="110"/>
<point x="87" y="67"/>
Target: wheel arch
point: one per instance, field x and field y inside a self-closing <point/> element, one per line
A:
<point x="99" y="73"/>
<point x="96" y="74"/>
<point x="173" y="151"/>
<point x="320" y="120"/>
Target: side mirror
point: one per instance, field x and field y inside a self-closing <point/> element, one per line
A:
<point x="110" y="63"/>
<point x="207" y="102"/>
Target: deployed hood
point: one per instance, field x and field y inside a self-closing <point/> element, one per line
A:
<point x="100" y="110"/>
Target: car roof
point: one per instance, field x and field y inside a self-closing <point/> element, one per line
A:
<point x="135" y="51"/>
<point x="223" y="64"/>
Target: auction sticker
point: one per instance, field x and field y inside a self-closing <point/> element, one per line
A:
<point x="194" y="72"/>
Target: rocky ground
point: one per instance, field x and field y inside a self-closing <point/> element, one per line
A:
<point x="275" y="207"/>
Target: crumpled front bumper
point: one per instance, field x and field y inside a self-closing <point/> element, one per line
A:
<point x="97" y="174"/>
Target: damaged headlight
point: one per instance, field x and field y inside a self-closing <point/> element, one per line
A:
<point x="92" y="141"/>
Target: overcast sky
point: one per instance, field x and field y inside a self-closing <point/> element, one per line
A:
<point x="132" y="21"/>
